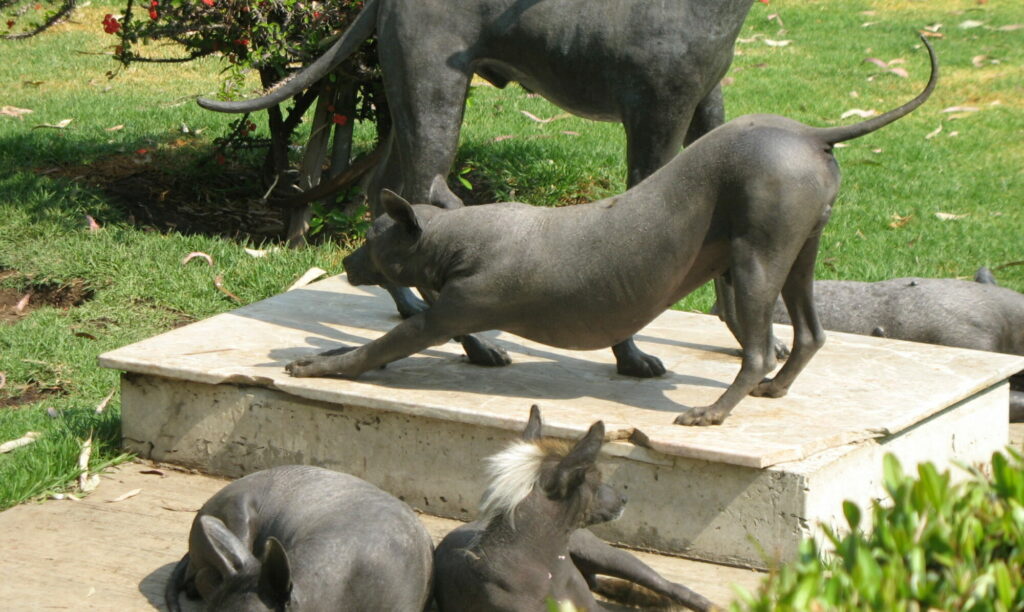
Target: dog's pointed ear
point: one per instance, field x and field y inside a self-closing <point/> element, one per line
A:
<point x="399" y="209"/>
<point x="533" y="425"/>
<point x="275" y="572"/>
<point x="231" y="556"/>
<point x="572" y="469"/>
<point x="441" y="196"/>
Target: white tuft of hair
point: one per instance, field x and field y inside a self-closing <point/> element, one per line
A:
<point x="512" y="475"/>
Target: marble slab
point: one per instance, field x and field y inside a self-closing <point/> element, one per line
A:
<point x="856" y="388"/>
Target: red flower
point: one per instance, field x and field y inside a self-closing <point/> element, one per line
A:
<point x="242" y="42"/>
<point x="110" y="24"/>
<point x="208" y="2"/>
<point x="142" y="151"/>
<point x="339" y="119"/>
<point x="153" y="14"/>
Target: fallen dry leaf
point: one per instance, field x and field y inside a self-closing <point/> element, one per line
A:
<point x="86" y="482"/>
<point x="218" y="282"/>
<point x="309" y="276"/>
<point x="970" y="23"/>
<point x="52" y="412"/>
<point x="3" y="380"/>
<point x="115" y="128"/>
<point x="944" y="216"/>
<point x="176" y="507"/>
<point x="859" y="112"/>
<point x="979" y="60"/>
<point x="124" y="496"/>
<point x="19" y="308"/>
<point x="777" y="43"/>
<point x="60" y="125"/>
<point x="103" y="405"/>
<point x="25" y="440"/>
<point x="899" y="221"/>
<point x="933" y="34"/>
<point x="533" y="117"/>
<point x="93" y="225"/>
<point x="195" y="254"/>
<point x="933" y="133"/>
<point x="570" y="133"/>
<point x="961" y="109"/>
<point x="14" y="111"/>
<point x="260" y="252"/>
<point x="1013" y="27"/>
<point x="502" y="137"/>
<point x="935" y="27"/>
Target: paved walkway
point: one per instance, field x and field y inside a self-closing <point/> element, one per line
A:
<point x="109" y="553"/>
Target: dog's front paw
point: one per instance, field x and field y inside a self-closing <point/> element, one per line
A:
<point x="701" y="417"/>
<point x="640" y="365"/>
<point x="482" y="353"/>
<point x="768" y="388"/>
<point x="303" y="367"/>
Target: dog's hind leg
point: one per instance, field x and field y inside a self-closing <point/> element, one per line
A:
<point x="758" y="279"/>
<point x="592" y="556"/>
<point x="808" y="335"/>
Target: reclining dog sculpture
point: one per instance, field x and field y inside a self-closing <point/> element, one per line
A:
<point x="306" y="539"/>
<point x="530" y="544"/>
<point x="947" y="311"/>
<point x="653" y="66"/>
<point x="749" y="198"/>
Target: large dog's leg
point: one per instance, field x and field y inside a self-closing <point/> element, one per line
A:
<point x="652" y="139"/>
<point x="759" y="279"/>
<point x="808" y="335"/>
<point x="710" y="113"/>
<point x="593" y="556"/>
<point x="479" y="350"/>
<point x="418" y="332"/>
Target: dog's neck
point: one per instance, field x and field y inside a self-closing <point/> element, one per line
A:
<point x="537" y="532"/>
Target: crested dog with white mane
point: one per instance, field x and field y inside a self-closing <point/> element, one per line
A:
<point x="529" y="544"/>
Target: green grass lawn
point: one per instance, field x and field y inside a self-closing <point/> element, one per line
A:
<point x="885" y="222"/>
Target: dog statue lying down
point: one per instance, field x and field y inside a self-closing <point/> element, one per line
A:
<point x="305" y="539"/>
<point x="749" y="198"/>
<point x="947" y="311"/>
<point x="530" y="545"/>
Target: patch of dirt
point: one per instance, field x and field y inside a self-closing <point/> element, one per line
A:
<point x="15" y="302"/>
<point x="14" y="398"/>
<point x="168" y="192"/>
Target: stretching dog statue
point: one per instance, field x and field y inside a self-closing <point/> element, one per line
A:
<point x="946" y="311"/>
<point x="654" y="66"/>
<point x="530" y="544"/>
<point x="749" y="198"/>
<point x="306" y="539"/>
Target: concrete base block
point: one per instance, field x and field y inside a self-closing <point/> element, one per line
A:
<point x="214" y="396"/>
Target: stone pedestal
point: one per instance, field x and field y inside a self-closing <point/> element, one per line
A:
<point x="214" y="395"/>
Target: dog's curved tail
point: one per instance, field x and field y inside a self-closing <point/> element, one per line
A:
<point x="361" y="29"/>
<point x="173" y="587"/>
<point x="849" y="132"/>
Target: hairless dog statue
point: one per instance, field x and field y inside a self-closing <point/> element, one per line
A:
<point x="749" y="198"/>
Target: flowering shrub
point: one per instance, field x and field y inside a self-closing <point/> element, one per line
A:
<point x="271" y="37"/>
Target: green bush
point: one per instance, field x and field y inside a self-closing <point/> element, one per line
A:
<point x="934" y="546"/>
